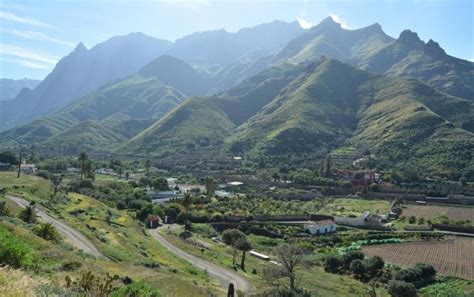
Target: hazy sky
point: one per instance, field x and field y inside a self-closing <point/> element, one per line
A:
<point x="34" y="35"/>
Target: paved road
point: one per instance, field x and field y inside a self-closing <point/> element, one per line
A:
<point x="224" y="276"/>
<point x="76" y="238"/>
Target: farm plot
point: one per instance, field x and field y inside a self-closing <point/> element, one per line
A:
<point x="454" y="257"/>
<point x="432" y="211"/>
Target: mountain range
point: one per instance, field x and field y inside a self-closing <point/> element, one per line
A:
<point x="83" y="71"/>
<point x="9" y="88"/>
<point x="271" y="90"/>
<point x="326" y="104"/>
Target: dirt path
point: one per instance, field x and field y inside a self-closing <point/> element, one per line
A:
<point x="224" y="276"/>
<point x="76" y="238"/>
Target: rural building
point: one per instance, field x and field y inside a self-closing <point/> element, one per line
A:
<point x="367" y="220"/>
<point x="153" y="222"/>
<point x="163" y="196"/>
<point x="28" y="168"/>
<point x="5" y="166"/>
<point x="321" y="227"/>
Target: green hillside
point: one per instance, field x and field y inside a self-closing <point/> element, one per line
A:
<point x="105" y="117"/>
<point x="307" y="109"/>
<point x="330" y="39"/>
<point x="208" y="121"/>
<point x="371" y="49"/>
<point x="410" y="56"/>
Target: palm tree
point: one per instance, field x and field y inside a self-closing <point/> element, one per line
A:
<point x="186" y="203"/>
<point x="29" y="214"/>
<point x="46" y="231"/>
<point x="83" y="158"/>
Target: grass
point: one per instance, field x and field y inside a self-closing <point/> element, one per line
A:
<point x="313" y="279"/>
<point x="126" y="244"/>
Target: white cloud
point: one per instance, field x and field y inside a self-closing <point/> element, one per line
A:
<point x="339" y="20"/>
<point x="19" y="52"/>
<point x="27" y="63"/>
<point x="23" y="20"/>
<point x="305" y="24"/>
<point x="38" y="36"/>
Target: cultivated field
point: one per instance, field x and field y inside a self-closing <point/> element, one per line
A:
<point x="454" y="257"/>
<point x="432" y="211"/>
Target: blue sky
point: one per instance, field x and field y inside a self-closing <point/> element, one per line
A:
<point x="34" y="35"/>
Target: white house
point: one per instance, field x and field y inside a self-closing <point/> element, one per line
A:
<point x="321" y="227"/>
<point x="28" y="168"/>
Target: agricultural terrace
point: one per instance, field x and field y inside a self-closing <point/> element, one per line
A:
<point x="454" y="257"/>
<point x="431" y="212"/>
<point x="244" y="206"/>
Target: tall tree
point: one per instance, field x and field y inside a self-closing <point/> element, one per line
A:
<point x="55" y="184"/>
<point x="186" y="204"/>
<point x="210" y="186"/>
<point x="290" y="258"/>
<point x="245" y="246"/>
<point x="147" y="167"/>
<point x="327" y="171"/>
<point x="83" y="160"/>
<point x="232" y="237"/>
<point x="19" y="166"/>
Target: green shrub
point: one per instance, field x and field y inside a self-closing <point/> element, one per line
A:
<point x="401" y="289"/>
<point x="136" y="289"/>
<point x="13" y="251"/>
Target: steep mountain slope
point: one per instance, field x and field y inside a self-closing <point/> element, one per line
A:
<point x="105" y="117"/>
<point x="305" y="109"/>
<point x="409" y="56"/>
<point x="330" y="39"/>
<point x="207" y="121"/>
<point x="179" y="75"/>
<point x="218" y="48"/>
<point x="9" y="88"/>
<point x="371" y="49"/>
<point x="81" y="72"/>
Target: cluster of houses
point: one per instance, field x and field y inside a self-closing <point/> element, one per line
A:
<point x="359" y="177"/>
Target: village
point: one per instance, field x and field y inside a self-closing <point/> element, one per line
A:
<point x="341" y="207"/>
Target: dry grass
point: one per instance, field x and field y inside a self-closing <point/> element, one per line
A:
<point x="16" y="283"/>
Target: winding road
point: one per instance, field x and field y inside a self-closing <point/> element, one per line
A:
<point x="224" y="276"/>
<point x="76" y="238"/>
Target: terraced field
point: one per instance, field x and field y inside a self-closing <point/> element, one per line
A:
<point x="433" y="211"/>
<point x="454" y="257"/>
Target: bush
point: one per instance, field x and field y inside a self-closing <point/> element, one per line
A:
<point x="351" y="256"/>
<point x="333" y="263"/>
<point x="401" y="289"/>
<point x="46" y="231"/>
<point x="13" y="251"/>
<point x="71" y="265"/>
<point x="136" y="289"/>
<point x="374" y="265"/>
<point x="358" y="268"/>
<point x="408" y="275"/>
